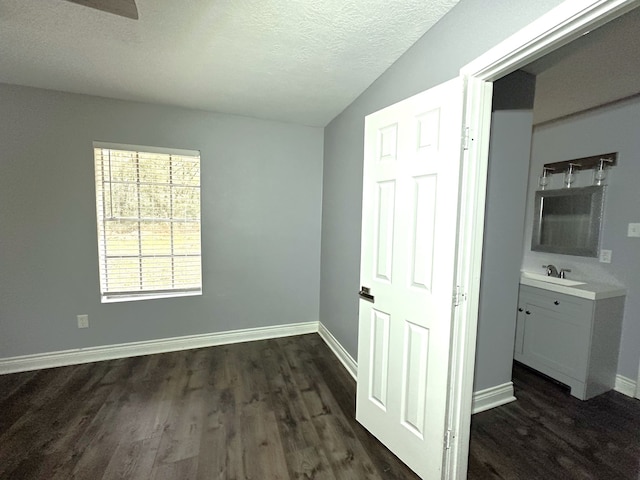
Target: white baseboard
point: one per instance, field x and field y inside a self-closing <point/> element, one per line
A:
<point x="492" y="397"/>
<point x="38" y="361"/>
<point x="625" y="386"/>
<point x="339" y="351"/>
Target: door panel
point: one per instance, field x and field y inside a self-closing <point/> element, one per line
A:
<point x="414" y="385"/>
<point x="409" y="230"/>
<point x="424" y="224"/>
<point x="428" y="131"/>
<point x="385" y="201"/>
<point x="388" y="143"/>
<point x="379" y="358"/>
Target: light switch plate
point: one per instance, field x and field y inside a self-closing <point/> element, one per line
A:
<point x="634" y="230"/>
<point x="605" y="256"/>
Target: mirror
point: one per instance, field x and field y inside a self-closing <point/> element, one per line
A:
<point x="568" y="221"/>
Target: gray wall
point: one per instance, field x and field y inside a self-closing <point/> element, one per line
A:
<point x="515" y="91"/>
<point x="502" y="249"/>
<point x="467" y="31"/>
<point x="609" y="129"/>
<point x="261" y="217"/>
<point x="509" y="151"/>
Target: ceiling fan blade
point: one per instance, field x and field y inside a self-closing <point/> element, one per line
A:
<point x="124" y="8"/>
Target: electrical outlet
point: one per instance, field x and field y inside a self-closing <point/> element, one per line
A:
<point x="634" y="230"/>
<point x="605" y="256"/>
<point x="83" y="321"/>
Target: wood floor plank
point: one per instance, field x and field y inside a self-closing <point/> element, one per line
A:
<point x="262" y="453"/>
<point x="132" y="460"/>
<point x="182" y="428"/>
<point x="184" y="469"/>
<point x="252" y="385"/>
<point x="309" y="463"/>
<point x="294" y="424"/>
<point x="213" y="460"/>
<point x="220" y="435"/>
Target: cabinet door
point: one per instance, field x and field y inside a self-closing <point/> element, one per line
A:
<point x="556" y="340"/>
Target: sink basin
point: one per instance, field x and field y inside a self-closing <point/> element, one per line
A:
<point x="576" y="288"/>
<point x="555" y="280"/>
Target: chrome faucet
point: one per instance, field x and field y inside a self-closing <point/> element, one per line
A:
<point x="552" y="271"/>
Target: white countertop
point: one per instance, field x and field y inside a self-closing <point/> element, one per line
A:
<point x="588" y="290"/>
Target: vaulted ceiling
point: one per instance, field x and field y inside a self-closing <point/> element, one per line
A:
<point x="299" y="61"/>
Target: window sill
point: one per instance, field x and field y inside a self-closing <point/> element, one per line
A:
<point x="151" y="296"/>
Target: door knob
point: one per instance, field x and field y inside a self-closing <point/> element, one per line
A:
<point x="365" y="294"/>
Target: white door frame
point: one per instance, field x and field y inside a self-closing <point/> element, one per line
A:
<point x="558" y="27"/>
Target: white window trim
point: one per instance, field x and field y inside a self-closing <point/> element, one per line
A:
<point x="151" y="296"/>
<point x="116" y="297"/>
<point x="146" y="148"/>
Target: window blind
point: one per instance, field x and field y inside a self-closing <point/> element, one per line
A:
<point x="148" y="210"/>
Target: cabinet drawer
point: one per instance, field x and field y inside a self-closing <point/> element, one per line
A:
<point x="577" y="309"/>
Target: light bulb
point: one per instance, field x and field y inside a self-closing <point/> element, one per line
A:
<point x="570" y="174"/>
<point x="545" y="178"/>
<point x="600" y="173"/>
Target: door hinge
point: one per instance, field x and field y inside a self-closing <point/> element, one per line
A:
<point x="466" y="138"/>
<point x="448" y="437"/>
<point x="459" y="296"/>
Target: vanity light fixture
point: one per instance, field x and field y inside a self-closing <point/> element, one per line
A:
<point x="599" y="163"/>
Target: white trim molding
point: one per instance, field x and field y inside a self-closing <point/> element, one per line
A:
<point x="492" y="397"/>
<point x="339" y="351"/>
<point x="625" y="385"/>
<point x="76" y="356"/>
<point x="558" y="27"/>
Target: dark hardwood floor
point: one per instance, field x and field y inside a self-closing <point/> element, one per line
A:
<point x="278" y="409"/>
<point x="548" y="434"/>
<point x="274" y="409"/>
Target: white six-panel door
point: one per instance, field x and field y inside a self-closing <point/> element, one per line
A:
<point x="409" y="229"/>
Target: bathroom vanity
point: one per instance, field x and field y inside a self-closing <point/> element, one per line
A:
<point x="570" y="331"/>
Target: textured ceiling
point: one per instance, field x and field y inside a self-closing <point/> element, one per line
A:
<point x="299" y="61"/>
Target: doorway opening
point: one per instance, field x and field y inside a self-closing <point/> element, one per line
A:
<point x="552" y="31"/>
<point x="553" y="117"/>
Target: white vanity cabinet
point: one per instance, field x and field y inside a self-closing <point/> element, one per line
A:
<point x="572" y="339"/>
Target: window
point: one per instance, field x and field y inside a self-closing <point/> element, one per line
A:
<point x="148" y="206"/>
